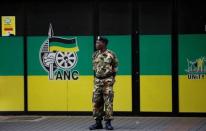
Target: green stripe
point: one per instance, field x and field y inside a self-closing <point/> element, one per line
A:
<point x="155" y="54"/>
<point x="192" y="47"/>
<point x="11" y="53"/>
<point x="62" y="44"/>
<point x="121" y="46"/>
<point x="84" y="65"/>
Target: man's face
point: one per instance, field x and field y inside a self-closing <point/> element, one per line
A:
<point x="99" y="45"/>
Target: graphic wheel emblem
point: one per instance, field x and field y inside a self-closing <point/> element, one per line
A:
<point x="66" y="60"/>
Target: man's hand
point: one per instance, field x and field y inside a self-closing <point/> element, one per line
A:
<point x="114" y="74"/>
<point x="49" y="59"/>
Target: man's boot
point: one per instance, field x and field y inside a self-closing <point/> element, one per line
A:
<point x="108" y="125"/>
<point x="97" y="125"/>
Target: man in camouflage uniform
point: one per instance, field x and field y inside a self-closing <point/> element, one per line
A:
<point x="105" y="66"/>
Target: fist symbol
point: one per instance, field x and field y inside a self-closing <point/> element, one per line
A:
<point x="49" y="59"/>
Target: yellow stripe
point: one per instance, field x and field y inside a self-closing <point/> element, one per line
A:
<point x="80" y="94"/>
<point x="57" y="48"/>
<point x="46" y="95"/>
<point x="155" y="93"/>
<point x="123" y="93"/>
<point x="192" y="95"/>
<point x="11" y="93"/>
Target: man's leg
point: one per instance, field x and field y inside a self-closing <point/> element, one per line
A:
<point x="98" y="107"/>
<point x="98" y="103"/>
<point x="108" y="101"/>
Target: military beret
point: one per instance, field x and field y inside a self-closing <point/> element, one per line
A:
<point x="102" y="39"/>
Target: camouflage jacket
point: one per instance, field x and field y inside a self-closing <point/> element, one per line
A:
<point x="104" y="64"/>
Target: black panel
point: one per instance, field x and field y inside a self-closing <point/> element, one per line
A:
<point x="67" y="18"/>
<point x="174" y="40"/>
<point x="192" y="17"/>
<point x="155" y="17"/>
<point x="13" y="9"/>
<point x="135" y="60"/>
<point x="115" y="18"/>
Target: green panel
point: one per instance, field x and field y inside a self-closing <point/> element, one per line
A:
<point x="84" y="64"/>
<point x="155" y="54"/>
<point x="86" y="49"/>
<point x="121" y="45"/>
<point x="11" y="53"/>
<point x="33" y="47"/>
<point x="191" y="47"/>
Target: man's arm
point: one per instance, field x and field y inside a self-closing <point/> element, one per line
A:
<point x="115" y="64"/>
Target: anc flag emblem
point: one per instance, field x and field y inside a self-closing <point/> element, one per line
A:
<point x="63" y="44"/>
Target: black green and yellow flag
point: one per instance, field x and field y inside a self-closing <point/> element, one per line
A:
<point x="63" y="44"/>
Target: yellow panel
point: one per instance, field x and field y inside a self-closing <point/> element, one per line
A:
<point x="11" y="93"/>
<point x="123" y="93"/>
<point x="192" y="95"/>
<point x="80" y="94"/>
<point x="46" y="95"/>
<point x="155" y="93"/>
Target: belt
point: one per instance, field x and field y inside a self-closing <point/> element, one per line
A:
<point x="104" y="77"/>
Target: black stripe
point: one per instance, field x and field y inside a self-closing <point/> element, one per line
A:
<point x="155" y="17"/>
<point x="69" y="18"/>
<point x="63" y="41"/>
<point x="175" y="85"/>
<point x="135" y="60"/>
<point x="13" y="9"/>
<point x="192" y="17"/>
<point x="115" y="17"/>
<point x="95" y="22"/>
<point x="89" y="113"/>
<point x="25" y="62"/>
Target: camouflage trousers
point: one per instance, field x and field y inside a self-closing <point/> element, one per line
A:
<point x="103" y="98"/>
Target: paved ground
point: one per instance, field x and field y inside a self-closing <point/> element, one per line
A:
<point x="81" y="123"/>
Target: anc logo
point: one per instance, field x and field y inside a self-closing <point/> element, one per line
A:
<point x="58" y="56"/>
<point x="196" y="69"/>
